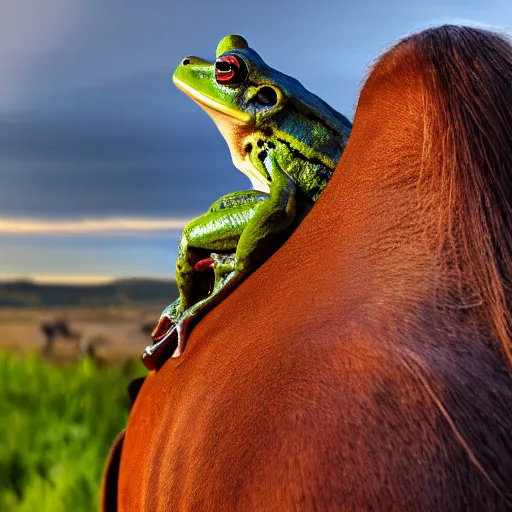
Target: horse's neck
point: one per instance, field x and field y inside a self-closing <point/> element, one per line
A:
<point x="365" y="241"/>
<point x="363" y="231"/>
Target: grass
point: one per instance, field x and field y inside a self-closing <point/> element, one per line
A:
<point x="56" y="427"/>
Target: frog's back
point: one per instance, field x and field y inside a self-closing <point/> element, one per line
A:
<point x="315" y="132"/>
<point x="314" y="149"/>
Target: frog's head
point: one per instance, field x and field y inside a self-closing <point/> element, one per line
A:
<point x="243" y="95"/>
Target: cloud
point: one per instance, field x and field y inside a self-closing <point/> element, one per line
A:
<point x="65" y="279"/>
<point x="102" y="162"/>
<point x="9" y="226"/>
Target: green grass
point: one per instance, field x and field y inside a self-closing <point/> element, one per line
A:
<point x="56" y="427"/>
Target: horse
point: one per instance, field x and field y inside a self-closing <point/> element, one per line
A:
<point x="367" y="364"/>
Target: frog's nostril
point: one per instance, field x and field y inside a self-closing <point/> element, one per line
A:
<point x="186" y="62"/>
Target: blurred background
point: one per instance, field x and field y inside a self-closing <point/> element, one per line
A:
<point x="102" y="163"/>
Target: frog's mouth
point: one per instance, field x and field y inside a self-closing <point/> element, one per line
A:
<point x="209" y="102"/>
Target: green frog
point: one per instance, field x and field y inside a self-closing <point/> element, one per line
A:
<point x="286" y="140"/>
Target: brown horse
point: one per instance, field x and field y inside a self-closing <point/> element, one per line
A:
<point x="366" y="365"/>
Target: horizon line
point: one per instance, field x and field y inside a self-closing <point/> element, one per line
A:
<point x="84" y="226"/>
<point x="77" y="279"/>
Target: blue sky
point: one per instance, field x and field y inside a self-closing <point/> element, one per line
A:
<point x="91" y="127"/>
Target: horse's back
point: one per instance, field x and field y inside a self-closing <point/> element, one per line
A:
<point x="323" y="422"/>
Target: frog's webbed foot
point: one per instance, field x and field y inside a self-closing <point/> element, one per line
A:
<point x="165" y="337"/>
<point x="226" y="277"/>
<point x="171" y="333"/>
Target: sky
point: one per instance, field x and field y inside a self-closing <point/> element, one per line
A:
<point x="103" y="160"/>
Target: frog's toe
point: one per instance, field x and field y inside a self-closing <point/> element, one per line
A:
<point x="169" y="341"/>
<point x="154" y="356"/>
<point x="162" y="328"/>
<point x="181" y="330"/>
<point x="165" y="340"/>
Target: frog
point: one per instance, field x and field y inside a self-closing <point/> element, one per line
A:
<point x="286" y="140"/>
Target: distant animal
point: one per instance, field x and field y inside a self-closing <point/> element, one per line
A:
<point x="58" y="328"/>
<point x="367" y="364"/>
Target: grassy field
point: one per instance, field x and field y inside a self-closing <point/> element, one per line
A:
<point x="56" y="427"/>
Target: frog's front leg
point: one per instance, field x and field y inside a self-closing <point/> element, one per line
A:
<point x="263" y="233"/>
<point x="217" y="230"/>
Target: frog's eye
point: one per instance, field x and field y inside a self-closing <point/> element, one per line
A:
<point x="230" y="70"/>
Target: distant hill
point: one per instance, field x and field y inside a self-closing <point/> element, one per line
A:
<point x="126" y="292"/>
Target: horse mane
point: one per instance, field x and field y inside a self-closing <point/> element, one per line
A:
<point x="465" y="180"/>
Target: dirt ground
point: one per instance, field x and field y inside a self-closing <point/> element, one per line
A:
<point x="116" y="334"/>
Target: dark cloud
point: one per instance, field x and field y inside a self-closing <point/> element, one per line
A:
<point x="121" y="149"/>
<point x="99" y="129"/>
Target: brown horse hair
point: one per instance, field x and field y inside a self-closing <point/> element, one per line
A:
<point x="466" y="168"/>
<point x="419" y="367"/>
